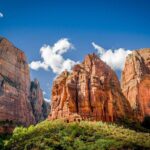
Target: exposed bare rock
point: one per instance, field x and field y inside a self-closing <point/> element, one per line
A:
<point x="14" y="85"/>
<point x="90" y="92"/>
<point x="136" y="82"/>
<point x="39" y="106"/>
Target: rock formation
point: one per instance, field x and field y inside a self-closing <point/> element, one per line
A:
<point x="39" y="106"/>
<point x="90" y="92"/>
<point x="20" y="101"/>
<point x="14" y="85"/>
<point x="136" y="82"/>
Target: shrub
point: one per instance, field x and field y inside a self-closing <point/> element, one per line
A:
<point x="146" y="122"/>
<point x="81" y="136"/>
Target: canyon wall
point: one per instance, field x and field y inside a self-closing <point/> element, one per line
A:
<point x="135" y="82"/>
<point x="20" y="102"/>
<point x="91" y="91"/>
<point x="14" y="85"/>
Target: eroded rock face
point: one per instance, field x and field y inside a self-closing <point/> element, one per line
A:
<point x="39" y="106"/>
<point x="14" y="85"/>
<point x="90" y="92"/>
<point x="136" y="82"/>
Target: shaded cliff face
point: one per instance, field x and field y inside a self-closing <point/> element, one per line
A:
<point x="136" y="82"/>
<point x="39" y="106"/>
<point x="14" y="85"/>
<point x="90" y="92"/>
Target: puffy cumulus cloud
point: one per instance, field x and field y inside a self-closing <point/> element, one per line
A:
<point x="1" y="15"/>
<point x="114" y="58"/>
<point x="52" y="57"/>
<point x="35" y="65"/>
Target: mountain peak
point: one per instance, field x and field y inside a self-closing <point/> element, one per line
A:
<point x="1" y="38"/>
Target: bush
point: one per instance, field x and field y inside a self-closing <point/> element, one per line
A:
<point x="4" y="139"/>
<point x="134" y="125"/>
<point x="57" y="135"/>
<point x="146" y="122"/>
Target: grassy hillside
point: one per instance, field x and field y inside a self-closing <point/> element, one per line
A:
<point x="57" y="135"/>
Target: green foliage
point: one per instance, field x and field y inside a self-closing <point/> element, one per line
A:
<point x="57" y="135"/>
<point x="146" y="122"/>
<point x="4" y="139"/>
<point x="134" y="125"/>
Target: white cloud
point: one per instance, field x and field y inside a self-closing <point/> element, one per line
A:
<point x="44" y="93"/>
<point x="1" y="15"/>
<point x="100" y="49"/>
<point x="114" y="58"/>
<point x="52" y="57"/>
<point x="47" y="100"/>
<point x="38" y="64"/>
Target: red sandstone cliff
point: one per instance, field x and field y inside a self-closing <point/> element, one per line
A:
<point x="14" y="85"/>
<point x="90" y="92"/>
<point x="136" y="82"/>
<point x="20" y="101"/>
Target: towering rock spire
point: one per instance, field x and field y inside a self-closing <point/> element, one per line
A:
<point x="39" y="106"/>
<point x="90" y="92"/>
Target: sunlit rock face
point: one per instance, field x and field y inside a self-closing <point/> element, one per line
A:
<point x="39" y="106"/>
<point x="14" y="85"/>
<point x="90" y="92"/>
<point x="136" y="82"/>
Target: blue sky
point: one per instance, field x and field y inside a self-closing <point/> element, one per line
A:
<point x="112" y="24"/>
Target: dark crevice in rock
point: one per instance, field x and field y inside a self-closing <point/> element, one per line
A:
<point x="89" y="94"/>
<point x="76" y="98"/>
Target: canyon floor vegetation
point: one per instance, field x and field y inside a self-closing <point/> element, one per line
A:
<point x="84" y="135"/>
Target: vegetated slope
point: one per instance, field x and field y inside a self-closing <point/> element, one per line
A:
<point x="58" y="135"/>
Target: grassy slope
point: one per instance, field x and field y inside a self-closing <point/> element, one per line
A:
<point x="77" y="136"/>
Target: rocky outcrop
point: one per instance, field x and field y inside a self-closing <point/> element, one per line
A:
<point x="136" y="82"/>
<point x="90" y="92"/>
<point x="39" y="106"/>
<point x="14" y="85"/>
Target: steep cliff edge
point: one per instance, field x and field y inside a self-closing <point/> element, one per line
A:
<point x="135" y="82"/>
<point x="20" y="102"/>
<point x="39" y="105"/>
<point x="90" y="92"/>
<point x="14" y="85"/>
